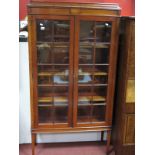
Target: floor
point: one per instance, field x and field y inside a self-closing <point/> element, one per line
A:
<point x="87" y="148"/>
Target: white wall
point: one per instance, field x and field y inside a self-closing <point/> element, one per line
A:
<point x="24" y="109"/>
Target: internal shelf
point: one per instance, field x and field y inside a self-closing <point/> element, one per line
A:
<point x="96" y="45"/>
<point x="51" y="64"/>
<point x="91" y="84"/>
<point x="91" y="98"/>
<point x="64" y="74"/>
<point x="51" y="85"/>
<point x="94" y="73"/>
<point x="103" y="64"/>
<point x="52" y="44"/>
<point x="55" y="99"/>
<point x="53" y="105"/>
<point x="94" y="104"/>
<point x="52" y="73"/>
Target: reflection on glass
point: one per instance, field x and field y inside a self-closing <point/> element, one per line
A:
<point x="87" y="31"/>
<point x="44" y="53"/>
<point x="49" y="54"/>
<point x="103" y="31"/>
<point x="53" y="31"/>
<point x="44" y="30"/>
<point x="61" y="55"/>
<point x="86" y="56"/>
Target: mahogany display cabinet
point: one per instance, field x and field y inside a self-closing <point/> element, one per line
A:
<point x="72" y="55"/>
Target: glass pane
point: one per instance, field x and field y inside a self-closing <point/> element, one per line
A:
<point x="53" y="74"/>
<point x="61" y="55"/>
<point x="45" y="115"/>
<point x="84" y="113"/>
<point x="100" y="79"/>
<point x="98" y="113"/>
<point x="61" y="31"/>
<point x="53" y="38"/>
<point x="55" y="31"/>
<point x="44" y="80"/>
<point x="61" y="75"/>
<point x="44" y="91"/>
<point x="99" y="93"/>
<point x="100" y="70"/>
<point x="86" y="56"/>
<point x="102" y="56"/>
<point x="94" y="49"/>
<point x="87" y="31"/>
<point x="84" y="102"/>
<point x="103" y="31"/>
<point x="44" y="53"/>
<point x="60" y="90"/>
<point x="44" y="30"/>
<point x="61" y="114"/>
<point x="85" y="74"/>
<point x="85" y="93"/>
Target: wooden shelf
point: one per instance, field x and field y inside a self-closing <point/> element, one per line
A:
<point x="45" y="99"/>
<point x="88" y="119"/>
<point x="61" y="36"/>
<point x="90" y="98"/>
<point x="94" y="104"/>
<point x="104" y="64"/>
<point x="91" y="84"/>
<point x="93" y="44"/>
<point x="52" y="44"/>
<point x="53" y="85"/>
<point x="50" y="64"/>
<point x="52" y="73"/>
<point x="95" y="73"/>
<point x="53" y="105"/>
<point x="50" y="99"/>
<point x="63" y="73"/>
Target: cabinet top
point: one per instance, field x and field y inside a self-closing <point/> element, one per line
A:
<point x="103" y="6"/>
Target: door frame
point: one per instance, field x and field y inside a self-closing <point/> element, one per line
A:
<point x="33" y="70"/>
<point x="111" y="70"/>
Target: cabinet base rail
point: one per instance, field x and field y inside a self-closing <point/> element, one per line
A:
<point x="108" y="150"/>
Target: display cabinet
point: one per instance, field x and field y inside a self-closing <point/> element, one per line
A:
<point x="72" y="53"/>
<point x="124" y="118"/>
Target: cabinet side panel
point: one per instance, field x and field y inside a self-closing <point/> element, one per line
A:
<point x="31" y="61"/>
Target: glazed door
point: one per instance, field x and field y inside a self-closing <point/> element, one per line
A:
<point x="53" y="77"/>
<point x="94" y="70"/>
